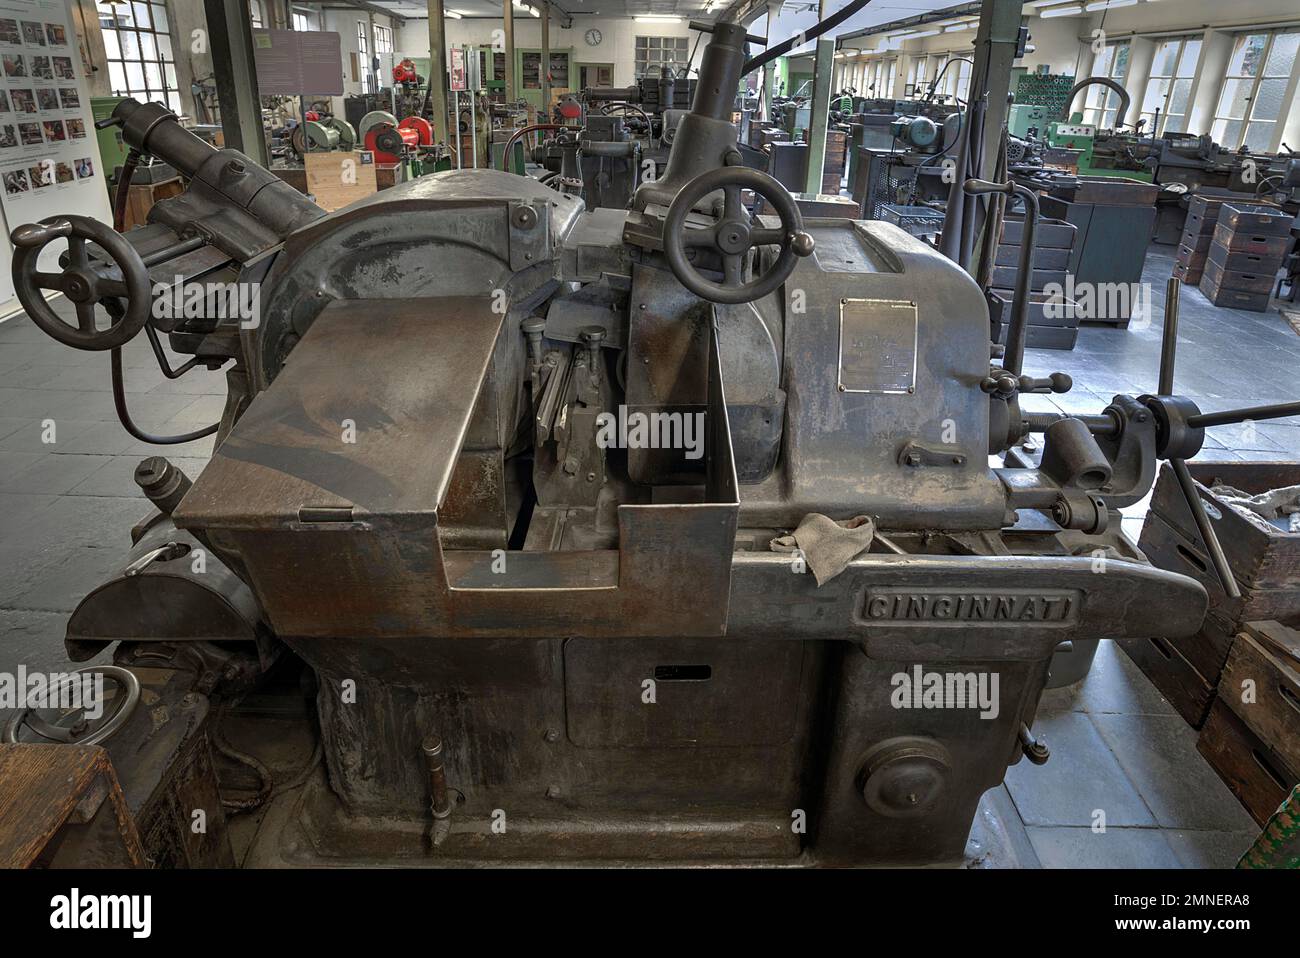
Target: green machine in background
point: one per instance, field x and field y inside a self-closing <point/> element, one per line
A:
<point x="112" y="151"/>
<point x="1104" y="155"/>
<point x="1028" y="120"/>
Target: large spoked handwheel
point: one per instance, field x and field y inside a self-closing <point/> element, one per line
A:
<point x="734" y="235"/>
<point x="80" y="282"/>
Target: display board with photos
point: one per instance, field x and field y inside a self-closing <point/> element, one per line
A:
<point x="49" y="158"/>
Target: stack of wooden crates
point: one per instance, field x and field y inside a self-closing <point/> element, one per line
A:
<point x="1250" y="242"/>
<point x="1198" y="232"/>
<point x="1238" y="679"/>
<point x="1053" y="315"/>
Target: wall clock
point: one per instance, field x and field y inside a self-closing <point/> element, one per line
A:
<point x="593" y="37"/>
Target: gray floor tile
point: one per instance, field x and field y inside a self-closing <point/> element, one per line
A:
<point x="1158" y="753"/>
<point x="1080" y="780"/>
<point x="114" y="478"/>
<point x="1114" y="848"/>
<point x="1115" y="684"/>
<point x="47" y="473"/>
<point x="1209" y="849"/>
<point x="62" y="585"/>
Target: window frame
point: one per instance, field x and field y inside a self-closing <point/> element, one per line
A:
<point x="1164" y="114"/>
<point x="1096" y="104"/>
<point x="167" y="90"/>
<point x="1220" y="121"/>
<point x="641" y="60"/>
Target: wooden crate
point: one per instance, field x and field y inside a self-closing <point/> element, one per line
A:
<point x="1265" y="661"/>
<point x="1189" y="275"/>
<point x="59" y="796"/>
<point x="1266" y="563"/>
<point x="1268" y="245"/>
<point x="1250" y="770"/>
<point x="141" y="197"/>
<point x="1255" y="218"/>
<point x="337" y="179"/>
<point x="1189" y="692"/>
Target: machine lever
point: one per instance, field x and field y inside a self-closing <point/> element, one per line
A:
<point x="1035" y="749"/>
<point x="1203" y="526"/>
<point x="1055" y="383"/>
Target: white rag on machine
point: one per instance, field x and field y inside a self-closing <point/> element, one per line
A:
<point x="828" y="545"/>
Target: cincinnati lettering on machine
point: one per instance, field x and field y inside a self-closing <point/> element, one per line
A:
<point x="963" y="606"/>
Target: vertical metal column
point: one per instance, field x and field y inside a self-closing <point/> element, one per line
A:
<point x="375" y="85"/>
<point x="438" y="70"/>
<point x="545" y="75"/>
<point x="995" y="52"/>
<point x="473" y="110"/>
<point x="819" y="114"/>
<point x="230" y="32"/>
<point x="512" y="93"/>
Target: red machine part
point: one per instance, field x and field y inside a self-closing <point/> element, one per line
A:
<point x="388" y="142"/>
<point x="311" y="115"/>
<point x="422" y="127"/>
<point x="570" y="109"/>
<point x="404" y="72"/>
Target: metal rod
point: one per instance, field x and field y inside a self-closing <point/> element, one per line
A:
<point x="1099" y="424"/>
<point x="1229" y="416"/>
<point x="439" y="794"/>
<point x="1208" y="536"/>
<point x="455" y="113"/>
<point x="473" y="118"/>
<point x="1169" y="339"/>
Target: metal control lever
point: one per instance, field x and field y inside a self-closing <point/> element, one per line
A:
<point x="1168" y="352"/>
<point x="1055" y="383"/>
<point x="1035" y="749"/>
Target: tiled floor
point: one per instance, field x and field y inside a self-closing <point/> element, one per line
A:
<point x="1125" y="786"/>
<point x="67" y="506"/>
<point x="1119" y="750"/>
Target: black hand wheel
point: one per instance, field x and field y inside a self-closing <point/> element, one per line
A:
<point x="80" y="282"/>
<point x="734" y="235"/>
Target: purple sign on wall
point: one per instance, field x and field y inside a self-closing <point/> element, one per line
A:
<point x="291" y="62"/>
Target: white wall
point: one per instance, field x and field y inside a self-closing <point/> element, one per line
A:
<point x="617" y="45"/>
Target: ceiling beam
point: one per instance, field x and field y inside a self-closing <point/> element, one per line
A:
<point x="397" y="18"/>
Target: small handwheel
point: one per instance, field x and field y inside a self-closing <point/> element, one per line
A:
<point x="74" y="725"/>
<point x="80" y="282"/>
<point x="734" y="235"/>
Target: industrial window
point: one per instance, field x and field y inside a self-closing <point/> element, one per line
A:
<point x="1250" y="102"/>
<point x="1100" y="105"/>
<point x="652" y="53"/>
<point x="138" y="46"/>
<point x="937" y="63"/>
<point x="305" y="20"/>
<point x="885" y="82"/>
<point x="383" y="40"/>
<point x="956" y="80"/>
<point x="1169" y="88"/>
<point x="916" y="75"/>
<point x="255" y="12"/>
<point x="363" y="37"/>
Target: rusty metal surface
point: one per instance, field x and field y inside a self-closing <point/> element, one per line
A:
<point x="290" y="452"/>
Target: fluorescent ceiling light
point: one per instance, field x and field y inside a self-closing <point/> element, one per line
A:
<point x="453" y="14"/>
<point x="1072" y="10"/>
<point x="1108" y="4"/>
<point x="657" y="19"/>
<point x="924" y="33"/>
<point x="958" y="27"/>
